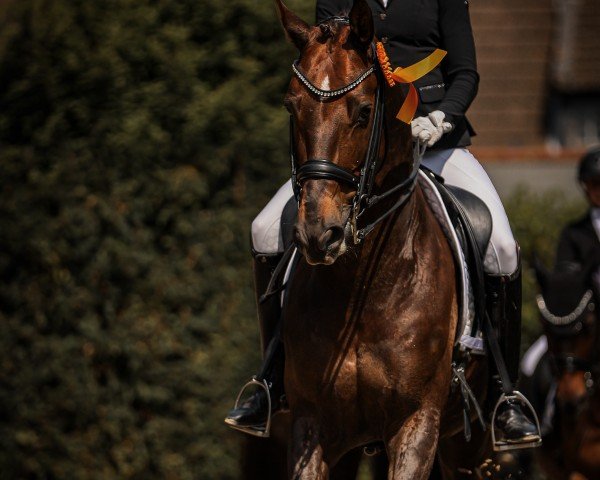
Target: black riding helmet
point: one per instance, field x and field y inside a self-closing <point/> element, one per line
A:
<point x="589" y="166"/>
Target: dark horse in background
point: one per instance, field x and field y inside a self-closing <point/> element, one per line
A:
<point x="369" y="329"/>
<point x="568" y="306"/>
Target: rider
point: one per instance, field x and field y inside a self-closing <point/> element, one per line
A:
<point x="410" y="30"/>
<point x="579" y="241"/>
<point x="578" y="246"/>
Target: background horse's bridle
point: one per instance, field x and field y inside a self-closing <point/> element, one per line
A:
<point x="318" y="169"/>
<point x="571" y="325"/>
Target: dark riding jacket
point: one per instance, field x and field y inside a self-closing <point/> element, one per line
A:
<point x="410" y="31"/>
<point x="579" y="243"/>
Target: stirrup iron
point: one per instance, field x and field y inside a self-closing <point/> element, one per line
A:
<point x="502" y="446"/>
<point x="256" y="431"/>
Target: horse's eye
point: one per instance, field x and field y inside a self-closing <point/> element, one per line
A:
<point x="364" y="113"/>
<point x="288" y="104"/>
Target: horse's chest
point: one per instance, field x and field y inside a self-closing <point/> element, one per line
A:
<point x="336" y="361"/>
<point x="352" y="337"/>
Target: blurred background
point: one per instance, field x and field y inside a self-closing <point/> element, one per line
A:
<point x="138" y="138"/>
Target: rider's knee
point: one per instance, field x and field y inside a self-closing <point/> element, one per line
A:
<point x="265" y="234"/>
<point x="502" y="257"/>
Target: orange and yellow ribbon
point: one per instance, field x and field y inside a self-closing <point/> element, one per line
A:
<point x="409" y="75"/>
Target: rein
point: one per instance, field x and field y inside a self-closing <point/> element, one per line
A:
<point x="323" y="169"/>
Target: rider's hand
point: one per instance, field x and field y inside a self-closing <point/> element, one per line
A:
<point x="430" y="129"/>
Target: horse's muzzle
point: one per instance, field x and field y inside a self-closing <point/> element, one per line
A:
<point x="571" y="389"/>
<point x="320" y="245"/>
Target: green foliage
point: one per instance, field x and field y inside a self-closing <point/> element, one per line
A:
<point x="137" y="140"/>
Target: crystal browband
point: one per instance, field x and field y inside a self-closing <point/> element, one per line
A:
<point x="566" y="319"/>
<point x="331" y="93"/>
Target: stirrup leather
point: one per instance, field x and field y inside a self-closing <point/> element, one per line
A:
<point x="502" y="446"/>
<point x="263" y="432"/>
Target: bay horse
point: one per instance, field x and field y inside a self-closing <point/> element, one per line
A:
<point x="569" y="315"/>
<point x="370" y="319"/>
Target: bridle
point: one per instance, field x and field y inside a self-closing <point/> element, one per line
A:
<point x="568" y="326"/>
<point x="566" y="320"/>
<point x="323" y="169"/>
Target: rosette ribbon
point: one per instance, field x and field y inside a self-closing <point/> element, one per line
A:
<point x="409" y="75"/>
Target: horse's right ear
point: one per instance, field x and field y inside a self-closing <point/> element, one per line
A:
<point x="295" y="28"/>
<point x="361" y="23"/>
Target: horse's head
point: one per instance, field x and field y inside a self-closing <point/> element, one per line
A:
<point x="330" y="130"/>
<point x="569" y="316"/>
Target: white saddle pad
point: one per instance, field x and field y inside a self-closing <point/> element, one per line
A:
<point x="466" y="338"/>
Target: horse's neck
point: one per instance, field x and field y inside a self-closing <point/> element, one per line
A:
<point x="399" y="134"/>
<point x="397" y="164"/>
<point x="391" y="245"/>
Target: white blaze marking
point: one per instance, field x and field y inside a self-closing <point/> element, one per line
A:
<point x="325" y="84"/>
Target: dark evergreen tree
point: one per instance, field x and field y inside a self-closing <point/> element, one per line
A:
<point x="137" y="140"/>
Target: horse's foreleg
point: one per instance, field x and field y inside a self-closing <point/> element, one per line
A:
<point x="411" y="449"/>
<point x="306" y="460"/>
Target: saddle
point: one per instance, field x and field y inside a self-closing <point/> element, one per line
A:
<point x="472" y="222"/>
<point x="470" y="216"/>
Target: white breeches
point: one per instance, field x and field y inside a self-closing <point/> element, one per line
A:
<point x="459" y="168"/>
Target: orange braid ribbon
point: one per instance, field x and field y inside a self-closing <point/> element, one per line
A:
<point x="408" y="75"/>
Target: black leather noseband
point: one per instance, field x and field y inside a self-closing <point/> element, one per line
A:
<point x="324" y="170"/>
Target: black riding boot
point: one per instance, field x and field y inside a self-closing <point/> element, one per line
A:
<point x="503" y="293"/>
<point x="252" y="413"/>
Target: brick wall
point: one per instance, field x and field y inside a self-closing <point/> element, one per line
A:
<point x="575" y="47"/>
<point x="513" y="40"/>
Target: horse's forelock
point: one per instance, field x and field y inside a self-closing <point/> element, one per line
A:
<point x="331" y="39"/>
<point x="332" y="31"/>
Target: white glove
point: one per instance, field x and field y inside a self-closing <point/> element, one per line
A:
<point x="430" y="129"/>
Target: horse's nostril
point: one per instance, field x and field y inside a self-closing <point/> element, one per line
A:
<point x="300" y="236"/>
<point x="331" y="238"/>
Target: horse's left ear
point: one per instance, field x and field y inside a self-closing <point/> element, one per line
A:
<point x="295" y="28"/>
<point x="361" y="22"/>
